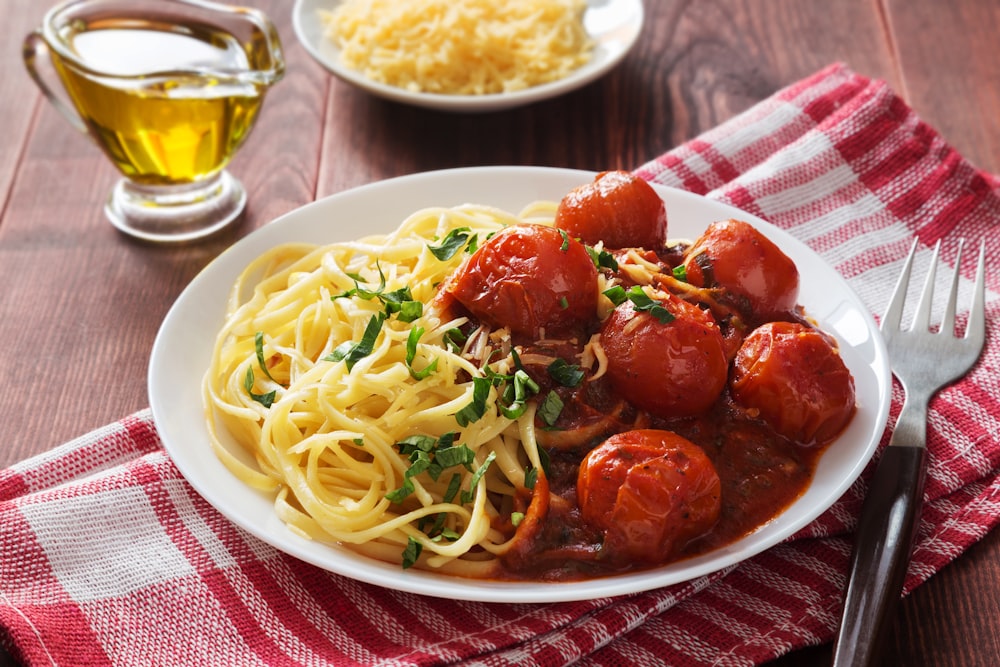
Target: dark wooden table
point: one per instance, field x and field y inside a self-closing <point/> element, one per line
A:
<point x="80" y="304"/>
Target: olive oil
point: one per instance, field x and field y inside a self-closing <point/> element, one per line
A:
<point x="165" y="102"/>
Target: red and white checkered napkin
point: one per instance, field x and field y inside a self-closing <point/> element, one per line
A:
<point x="108" y="557"/>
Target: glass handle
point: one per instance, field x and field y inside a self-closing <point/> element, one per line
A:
<point x="35" y="46"/>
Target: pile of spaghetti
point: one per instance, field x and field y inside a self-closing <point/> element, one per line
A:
<point x="460" y="47"/>
<point x="378" y="424"/>
<point x="556" y="394"/>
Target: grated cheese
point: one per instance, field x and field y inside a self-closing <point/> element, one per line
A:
<point x="460" y="47"/>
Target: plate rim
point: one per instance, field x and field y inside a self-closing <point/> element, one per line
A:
<point x="347" y="563"/>
<point x="324" y="53"/>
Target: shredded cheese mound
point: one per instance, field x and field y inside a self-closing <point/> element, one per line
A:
<point x="460" y="47"/>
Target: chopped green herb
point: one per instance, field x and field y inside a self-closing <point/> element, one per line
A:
<point x="640" y="301"/>
<point x="543" y="460"/>
<point x="454" y="339"/>
<point x="550" y="408"/>
<point x="411" y="353"/>
<point x="454" y="484"/>
<point x="467" y="496"/>
<point x="563" y="303"/>
<point x="566" y="374"/>
<point x="530" y="477"/>
<point x="477" y="408"/>
<point x="258" y="343"/>
<point x="411" y="553"/>
<point x="430" y="455"/>
<point x="565" y="240"/>
<point x="616" y="294"/>
<point x="449" y="457"/>
<point x="452" y="243"/>
<point x="680" y="273"/>
<point x="264" y="399"/>
<point x="602" y="259"/>
<point x="353" y="352"/>
<point x="516" y="518"/>
<point x="513" y="400"/>
<point x="399" y="301"/>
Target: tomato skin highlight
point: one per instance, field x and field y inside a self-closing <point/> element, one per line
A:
<point x="651" y="492"/>
<point x="672" y="369"/>
<point x="794" y="378"/>
<point x="734" y="255"/>
<point x="617" y="208"/>
<point x="528" y="277"/>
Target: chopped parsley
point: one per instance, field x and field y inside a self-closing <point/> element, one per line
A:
<point x="474" y="411"/>
<point x="411" y="553"/>
<point x="248" y="382"/>
<point x="640" y="301"/>
<point x="550" y="408"/>
<point x="411" y="353"/>
<point x="566" y="374"/>
<point x="352" y="352"/>
<point x="258" y="343"/>
<point x="565" y="240"/>
<point x="454" y="339"/>
<point x="399" y="301"/>
<point x="454" y="241"/>
<point x="602" y="259"/>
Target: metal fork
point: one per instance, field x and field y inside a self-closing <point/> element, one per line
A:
<point x="924" y="361"/>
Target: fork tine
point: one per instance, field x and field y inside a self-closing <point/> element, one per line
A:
<point x="894" y="312"/>
<point x="975" y="329"/>
<point x="922" y="318"/>
<point x="948" y="319"/>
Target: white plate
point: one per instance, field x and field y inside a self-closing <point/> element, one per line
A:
<point x="183" y="348"/>
<point x="614" y="25"/>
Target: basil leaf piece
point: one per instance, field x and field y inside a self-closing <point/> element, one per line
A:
<point x="352" y="352"/>
<point x="543" y="460"/>
<point x="258" y="344"/>
<point x="454" y="484"/>
<point x="680" y="273"/>
<point x="644" y="302"/>
<point x="454" y="339"/>
<point x="264" y="399"/>
<point x="411" y="352"/>
<point x="467" y="496"/>
<point x="566" y="374"/>
<point x="452" y="243"/>
<point x="410" y="311"/>
<point x="565" y="240"/>
<point x="616" y="294"/>
<point x="477" y="408"/>
<point x="411" y="553"/>
<point x="602" y="259"/>
<point x="530" y="477"/>
<point x="550" y="408"/>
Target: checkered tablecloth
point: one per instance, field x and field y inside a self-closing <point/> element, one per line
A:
<point x="108" y="557"/>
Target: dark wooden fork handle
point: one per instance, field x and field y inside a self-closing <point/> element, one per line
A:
<point x="882" y="547"/>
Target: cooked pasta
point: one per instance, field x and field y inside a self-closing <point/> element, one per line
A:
<point x="341" y="390"/>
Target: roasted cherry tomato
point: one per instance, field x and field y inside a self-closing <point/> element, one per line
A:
<point x="618" y="208"/>
<point x="735" y="256"/>
<point x="794" y="378"/>
<point x="528" y="277"/>
<point x="650" y="491"/>
<point x="672" y="367"/>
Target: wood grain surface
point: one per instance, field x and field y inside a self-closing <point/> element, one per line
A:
<point x="80" y="304"/>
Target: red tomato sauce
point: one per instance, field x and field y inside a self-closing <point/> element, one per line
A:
<point x="716" y="401"/>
